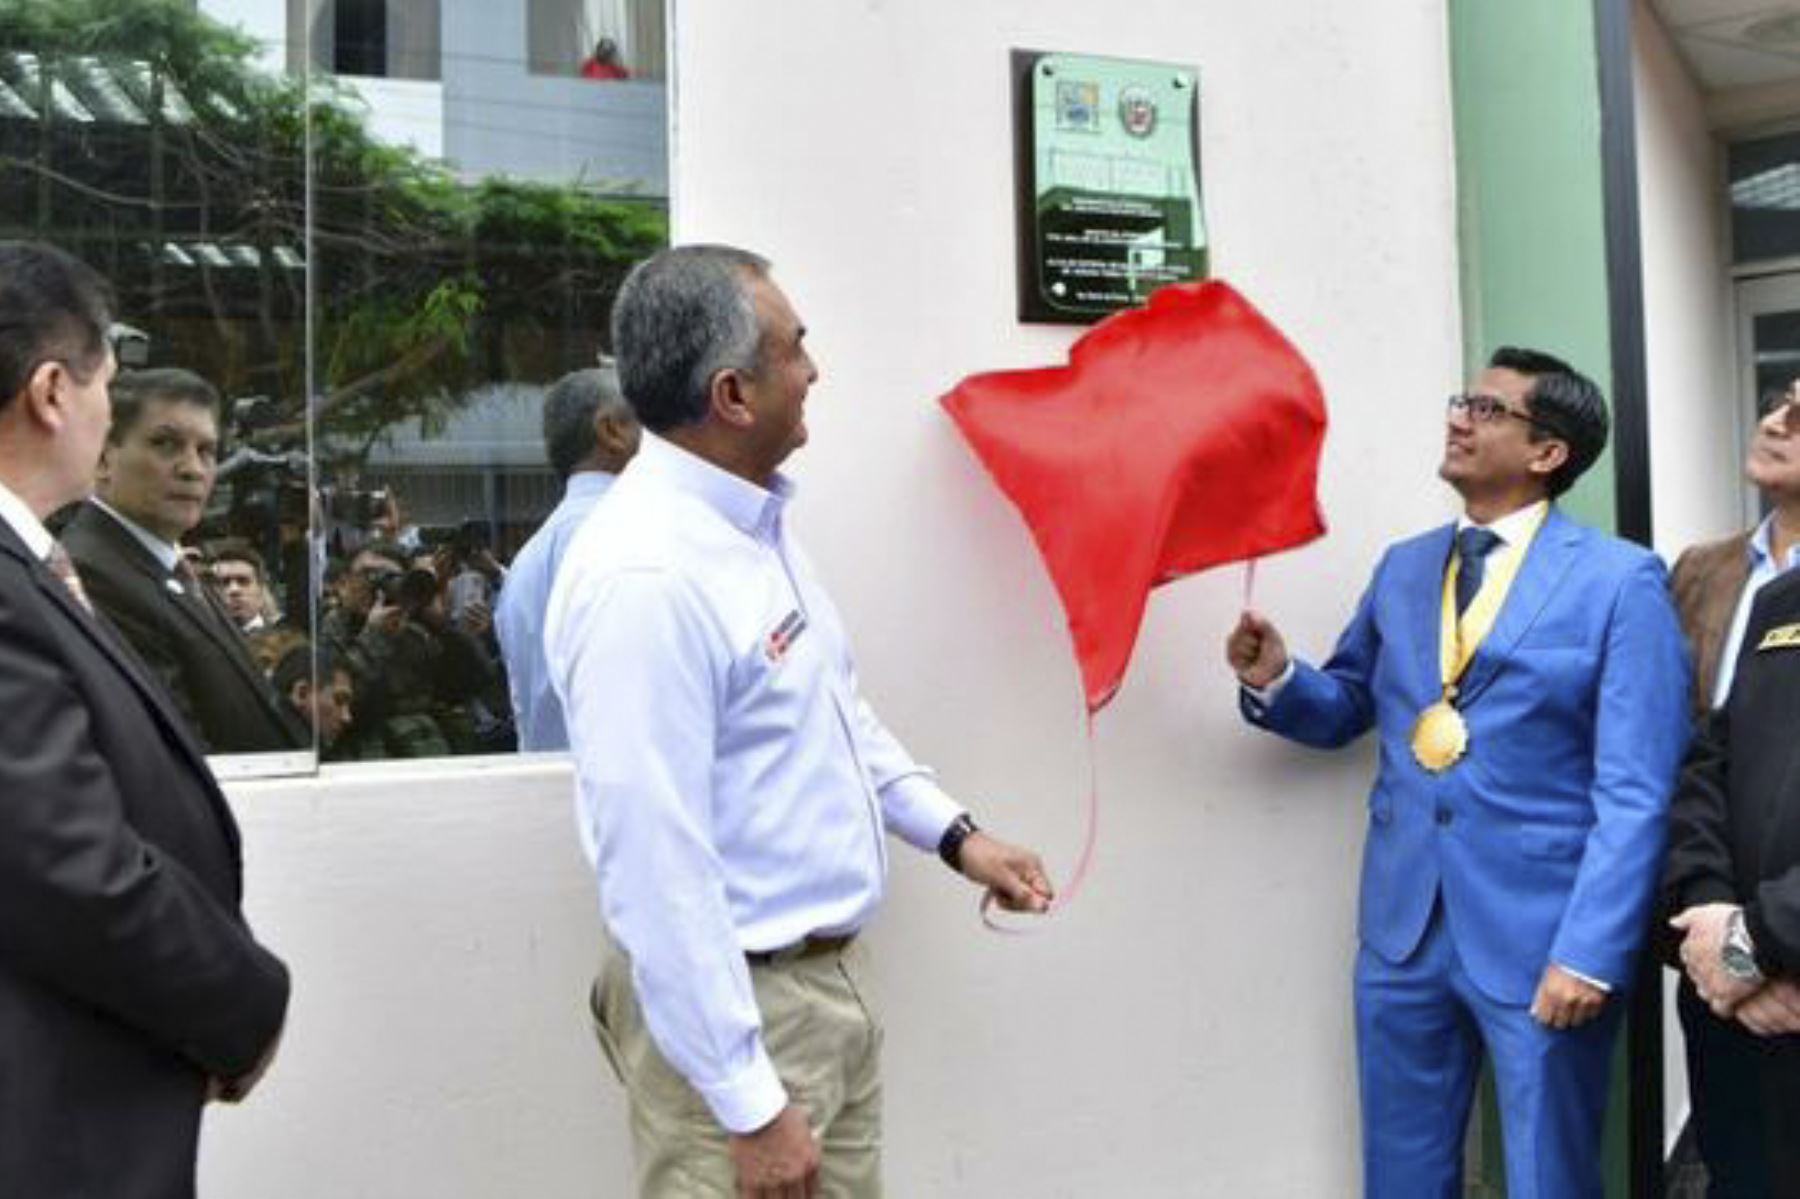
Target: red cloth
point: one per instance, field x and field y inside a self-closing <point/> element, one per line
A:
<point x="1181" y="435"/>
<point x="593" y="68"/>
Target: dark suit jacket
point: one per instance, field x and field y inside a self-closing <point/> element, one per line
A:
<point x="203" y="660"/>
<point x="1707" y="581"/>
<point x="1734" y="831"/>
<point x="127" y="974"/>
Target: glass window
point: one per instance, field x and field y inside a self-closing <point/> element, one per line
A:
<point x="600" y="40"/>
<point x="1765" y="198"/>
<point x="374" y="39"/>
<point x="450" y="289"/>
<point x="344" y="292"/>
<point x="146" y="145"/>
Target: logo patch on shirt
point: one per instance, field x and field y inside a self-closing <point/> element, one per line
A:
<point x="777" y="643"/>
<point x="1785" y="636"/>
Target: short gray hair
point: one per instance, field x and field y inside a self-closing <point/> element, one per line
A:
<point x="570" y="407"/>
<point x="682" y="316"/>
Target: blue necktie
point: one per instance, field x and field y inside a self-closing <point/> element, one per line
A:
<point x="1472" y="546"/>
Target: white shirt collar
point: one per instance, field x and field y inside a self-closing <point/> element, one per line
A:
<point x="1762" y="551"/>
<point x="755" y="510"/>
<point x="17" y="513"/>
<point x="1511" y="528"/>
<point x="165" y="553"/>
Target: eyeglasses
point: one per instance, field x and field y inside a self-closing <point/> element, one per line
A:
<point x="1486" y="410"/>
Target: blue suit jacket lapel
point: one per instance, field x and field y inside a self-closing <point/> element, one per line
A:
<point x="1552" y="552"/>
<point x="1424" y="600"/>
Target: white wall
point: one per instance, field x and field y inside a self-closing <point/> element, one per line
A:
<point x="1184" y="1027"/>
<point x="1696" y="433"/>
<point x="1695" y="439"/>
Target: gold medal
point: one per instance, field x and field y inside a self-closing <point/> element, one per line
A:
<point x="1439" y="737"/>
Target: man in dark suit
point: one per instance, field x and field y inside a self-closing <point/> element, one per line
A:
<point x="1732" y="884"/>
<point x="156" y="474"/>
<point x="131" y="990"/>
<point x="1715" y="585"/>
<point x="1527" y="681"/>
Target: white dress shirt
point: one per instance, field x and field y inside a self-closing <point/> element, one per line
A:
<point x="519" y="614"/>
<point x="1763" y="569"/>
<point x="17" y="513"/>
<point x="732" y="788"/>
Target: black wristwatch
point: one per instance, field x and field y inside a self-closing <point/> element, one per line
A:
<point x="951" y="843"/>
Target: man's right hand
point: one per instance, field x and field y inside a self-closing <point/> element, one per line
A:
<point x="780" y="1160"/>
<point x="1256" y="651"/>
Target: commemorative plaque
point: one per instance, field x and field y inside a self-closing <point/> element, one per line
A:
<point x="1107" y="183"/>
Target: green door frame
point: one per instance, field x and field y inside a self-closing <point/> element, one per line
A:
<point x="1551" y="257"/>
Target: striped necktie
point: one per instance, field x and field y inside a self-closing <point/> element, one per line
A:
<point x="63" y="568"/>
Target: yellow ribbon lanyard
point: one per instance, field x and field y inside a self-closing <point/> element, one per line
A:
<point x="1459" y="639"/>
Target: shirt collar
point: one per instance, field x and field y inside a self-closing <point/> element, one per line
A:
<point x="17" y="513"/>
<point x="165" y="553"/>
<point x="755" y="510"/>
<point x="1762" y="548"/>
<point x="1512" y="528"/>
<point x="588" y="482"/>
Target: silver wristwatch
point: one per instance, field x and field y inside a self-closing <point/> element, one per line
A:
<point x="1737" y="953"/>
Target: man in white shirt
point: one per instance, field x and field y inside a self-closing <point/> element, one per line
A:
<point x="732" y="787"/>
<point x="589" y="436"/>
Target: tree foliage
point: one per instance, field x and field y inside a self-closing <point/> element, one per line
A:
<point x="420" y="284"/>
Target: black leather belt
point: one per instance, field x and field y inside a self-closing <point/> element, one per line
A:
<point x="807" y="947"/>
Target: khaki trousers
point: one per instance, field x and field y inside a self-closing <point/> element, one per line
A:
<point x="821" y="1030"/>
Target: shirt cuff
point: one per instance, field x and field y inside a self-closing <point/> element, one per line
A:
<point x="1266" y="695"/>
<point x="1589" y="979"/>
<point x="748" y="1100"/>
<point x="917" y="810"/>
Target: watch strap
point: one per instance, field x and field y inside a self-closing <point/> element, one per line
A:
<point x="951" y="843"/>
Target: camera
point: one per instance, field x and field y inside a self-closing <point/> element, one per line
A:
<point x="411" y="589"/>
<point x="253" y="414"/>
<point x="471" y="536"/>
<point x="359" y="508"/>
<point x="130" y="345"/>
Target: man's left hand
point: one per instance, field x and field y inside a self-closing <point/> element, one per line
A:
<point x="1564" y="1001"/>
<point x="1703" y="935"/>
<point x="1773" y="1011"/>
<point x="1015" y="877"/>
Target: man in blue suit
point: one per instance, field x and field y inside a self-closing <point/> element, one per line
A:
<point x="1527" y="680"/>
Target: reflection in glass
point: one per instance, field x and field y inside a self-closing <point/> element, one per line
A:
<point x="139" y="138"/>
<point x="449" y="292"/>
<point x="379" y="328"/>
<point x="1764" y="177"/>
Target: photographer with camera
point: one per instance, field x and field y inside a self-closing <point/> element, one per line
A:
<point x="415" y="673"/>
<point x="365" y="629"/>
<point x="156" y="475"/>
<point x="468" y="577"/>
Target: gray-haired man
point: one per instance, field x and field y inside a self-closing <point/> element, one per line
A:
<point x="589" y="436"/>
<point x="733" y="788"/>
